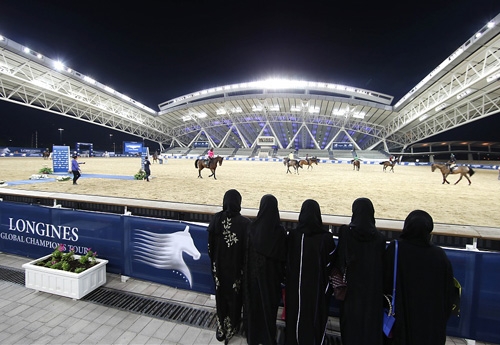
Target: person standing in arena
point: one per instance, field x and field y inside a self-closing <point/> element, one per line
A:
<point x="147" y="168"/>
<point x="75" y="169"/>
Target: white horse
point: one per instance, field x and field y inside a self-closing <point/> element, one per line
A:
<point x="164" y="251"/>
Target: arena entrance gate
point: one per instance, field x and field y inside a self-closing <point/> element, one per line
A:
<point x="80" y="149"/>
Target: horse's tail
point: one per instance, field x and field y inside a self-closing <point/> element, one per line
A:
<point x="471" y="172"/>
<point x="381" y="162"/>
<point x="196" y="163"/>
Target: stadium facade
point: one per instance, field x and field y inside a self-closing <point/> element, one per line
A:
<point x="272" y="114"/>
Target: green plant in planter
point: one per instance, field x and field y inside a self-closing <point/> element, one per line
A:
<point x="45" y="170"/>
<point x="60" y="260"/>
<point x="141" y="175"/>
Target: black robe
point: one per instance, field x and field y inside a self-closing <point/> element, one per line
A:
<point x="362" y="246"/>
<point x="227" y="233"/>
<point x="265" y="272"/>
<point x="309" y="263"/>
<point x="424" y="287"/>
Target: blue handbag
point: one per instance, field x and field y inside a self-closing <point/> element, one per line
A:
<point x="390" y="311"/>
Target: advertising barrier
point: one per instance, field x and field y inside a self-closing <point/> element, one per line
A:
<point x="175" y="253"/>
<point x="167" y="252"/>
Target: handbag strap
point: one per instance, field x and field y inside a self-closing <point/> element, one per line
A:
<point x="394" y="278"/>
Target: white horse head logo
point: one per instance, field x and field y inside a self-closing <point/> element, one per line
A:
<point x="4" y="151"/>
<point x="164" y="251"/>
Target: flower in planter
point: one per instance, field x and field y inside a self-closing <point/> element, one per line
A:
<point x="39" y="176"/>
<point x="45" y="170"/>
<point x="60" y="260"/>
<point x="141" y="175"/>
<point x="63" y="178"/>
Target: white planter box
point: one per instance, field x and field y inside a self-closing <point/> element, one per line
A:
<point x="62" y="283"/>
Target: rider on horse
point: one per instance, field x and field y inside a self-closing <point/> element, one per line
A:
<point x="452" y="163"/>
<point x="210" y="155"/>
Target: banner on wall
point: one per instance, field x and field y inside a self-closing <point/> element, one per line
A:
<point x="35" y="231"/>
<point x="20" y="152"/>
<point x="132" y="147"/>
<point x="167" y="252"/>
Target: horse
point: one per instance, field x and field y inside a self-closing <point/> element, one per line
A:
<point x="292" y="163"/>
<point x="164" y="251"/>
<point x="309" y="162"/>
<point x="355" y="164"/>
<point x="155" y="157"/>
<point x="200" y="164"/>
<point x="46" y="154"/>
<point x="445" y="170"/>
<point x="388" y="164"/>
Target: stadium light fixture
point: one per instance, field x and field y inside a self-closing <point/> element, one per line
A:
<point x="493" y="77"/>
<point x="89" y="80"/>
<point x="314" y="110"/>
<point x="58" y="65"/>
<point x="441" y="107"/>
<point x="464" y="93"/>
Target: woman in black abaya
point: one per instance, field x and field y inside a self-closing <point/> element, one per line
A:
<point x="361" y="249"/>
<point x="424" y="284"/>
<point x="309" y="262"/>
<point x="227" y="233"/>
<point x="265" y="271"/>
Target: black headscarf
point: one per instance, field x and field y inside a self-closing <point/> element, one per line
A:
<point x="418" y="227"/>
<point x="362" y="222"/>
<point x="231" y="207"/>
<point x="310" y="221"/>
<point x="266" y="232"/>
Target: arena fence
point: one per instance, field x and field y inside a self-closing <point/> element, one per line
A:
<point x="134" y="235"/>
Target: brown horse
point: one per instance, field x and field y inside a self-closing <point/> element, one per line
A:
<point x="388" y="164"/>
<point x="155" y="157"/>
<point x="445" y="170"/>
<point x="200" y="164"/>
<point x="309" y="162"/>
<point x="46" y="154"/>
<point x="355" y="164"/>
<point x="292" y="163"/>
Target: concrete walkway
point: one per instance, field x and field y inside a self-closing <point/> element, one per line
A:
<point x="30" y="317"/>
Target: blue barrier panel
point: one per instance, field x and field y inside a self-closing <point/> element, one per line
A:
<point x="479" y="275"/>
<point x="175" y="254"/>
<point x="168" y="252"/>
<point x="35" y="231"/>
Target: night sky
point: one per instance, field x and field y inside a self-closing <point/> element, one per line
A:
<point x="153" y="51"/>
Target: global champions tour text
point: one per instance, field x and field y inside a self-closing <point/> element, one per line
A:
<point x="49" y="234"/>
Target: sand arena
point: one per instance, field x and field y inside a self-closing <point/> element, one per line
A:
<point x="334" y="186"/>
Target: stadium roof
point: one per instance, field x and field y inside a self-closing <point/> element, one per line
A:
<point x="297" y="114"/>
